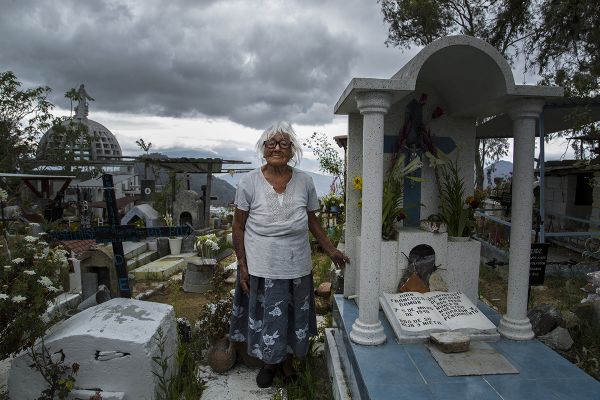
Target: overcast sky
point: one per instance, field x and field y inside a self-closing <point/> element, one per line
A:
<point x="201" y="74"/>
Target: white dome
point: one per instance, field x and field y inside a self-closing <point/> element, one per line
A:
<point x="102" y="144"/>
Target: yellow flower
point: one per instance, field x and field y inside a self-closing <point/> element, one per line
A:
<point x="357" y="181"/>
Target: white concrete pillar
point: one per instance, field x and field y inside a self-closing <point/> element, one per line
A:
<point x="353" y="213"/>
<point x="367" y="329"/>
<point x="515" y="324"/>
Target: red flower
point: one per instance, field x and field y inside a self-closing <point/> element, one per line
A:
<point x="401" y="216"/>
<point x="438" y="112"/>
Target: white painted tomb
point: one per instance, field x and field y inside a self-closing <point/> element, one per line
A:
<point x="470" y="81"/>
<point x="113" y="343"/>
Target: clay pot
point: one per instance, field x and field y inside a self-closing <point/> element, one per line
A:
<point x="221" y="355"/>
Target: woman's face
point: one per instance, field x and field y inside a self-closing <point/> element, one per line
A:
<point x="278" y="150"/>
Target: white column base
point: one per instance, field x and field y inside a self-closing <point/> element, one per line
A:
<point x="367" y="334"/>
<point x="515" y="329"/>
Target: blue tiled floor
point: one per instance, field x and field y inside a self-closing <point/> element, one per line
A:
<point x="408" y="371"/>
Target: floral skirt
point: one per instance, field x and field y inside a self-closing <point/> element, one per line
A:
<point x="276" y="319"/>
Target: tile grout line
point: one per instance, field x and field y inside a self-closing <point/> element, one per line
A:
<point x="415" y="365"/>
<point x="493" y="388"/>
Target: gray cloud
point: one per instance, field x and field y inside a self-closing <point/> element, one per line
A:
<point x="225" y="59"/>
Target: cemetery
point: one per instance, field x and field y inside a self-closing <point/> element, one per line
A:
<point x="118" y="284"/>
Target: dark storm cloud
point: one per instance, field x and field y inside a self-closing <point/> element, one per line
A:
<point x="233" y="59"/>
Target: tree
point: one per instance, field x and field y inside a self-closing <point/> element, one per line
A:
<point x="329" y="158"/>
<point x="24" y="115"/>
<point x="561" y="38"/>
<point x="566" y="50"/>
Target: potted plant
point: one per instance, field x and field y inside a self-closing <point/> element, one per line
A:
<point x="174" y="241"/>
<point x="332" y="202"/>
<point x="455" y="210"/>
<point x="213" y="322"/>
<point x="206" y="246"/>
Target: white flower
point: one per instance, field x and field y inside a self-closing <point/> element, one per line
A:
<point x="41" y="243"/>
<point x="18" y="260"/>
<point x="53" y="289"/>
<point x="3" y="195"/>
<point x="18" y="299"/>
<point x="30" y="239"/>
<point x="3" y="296"/>
<point x="45" y="281"/>
<point x="7" y="267"/>
<point x="29" y="272"/>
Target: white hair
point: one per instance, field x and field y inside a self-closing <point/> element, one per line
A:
<point x="284" y="128"/>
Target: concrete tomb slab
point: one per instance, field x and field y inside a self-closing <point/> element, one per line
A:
<point x="113" y="343"/>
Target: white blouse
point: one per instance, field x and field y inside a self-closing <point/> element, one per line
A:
<point x="276" y="233"/>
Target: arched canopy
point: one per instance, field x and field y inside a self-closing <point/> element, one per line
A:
<point x="471" y="77"/>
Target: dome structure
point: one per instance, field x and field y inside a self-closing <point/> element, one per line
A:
<point x="100" y="143"/>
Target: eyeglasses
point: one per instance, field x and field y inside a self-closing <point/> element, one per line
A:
<point x="283" y="144"/>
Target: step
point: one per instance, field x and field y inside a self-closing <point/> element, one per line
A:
<point x="142" y="259"/>
<point x="163" y="268"/>
<point x="132" y="249"/>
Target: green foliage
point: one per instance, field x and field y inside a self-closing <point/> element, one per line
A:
<point x="393" y="191"/>
<point x="329" y="157"/>
<point x="503" y="24"/>
<point x="29" y="278"/>
<point x="213" y="321"/>
<point x="24" y="114"/>
<point x="59" y="376"/>
<point x="457" y="217"/>
<point x="183" y="383"/>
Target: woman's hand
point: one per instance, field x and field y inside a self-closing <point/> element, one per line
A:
<point x="244" y="278"/>
<point x="339" y="258"/>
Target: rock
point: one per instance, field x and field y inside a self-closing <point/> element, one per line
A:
<point x="558" y="339"/>
<point x="101" y="296"/>
<point x="571" y="320"/>
<point x="437" y="283"/>
<point x="450" y="342"/>
<point x="414" y="284"/>
<point x="337" y="280"/>
<point x="322" y="305"/>
<point x="544" y="318"/>
<point x="324" y="290"/>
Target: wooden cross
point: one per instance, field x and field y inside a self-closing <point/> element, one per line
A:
<point x="116" y="234"/>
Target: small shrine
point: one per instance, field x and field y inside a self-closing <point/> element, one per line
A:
<point x="433" y="105"/>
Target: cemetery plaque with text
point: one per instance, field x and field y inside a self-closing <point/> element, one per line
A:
<point x="537" y="263"/>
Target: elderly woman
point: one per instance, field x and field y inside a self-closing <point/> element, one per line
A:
<point x="273" y="306"/>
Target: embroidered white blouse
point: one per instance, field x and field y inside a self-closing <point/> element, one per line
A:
<point x="276" y="233"/>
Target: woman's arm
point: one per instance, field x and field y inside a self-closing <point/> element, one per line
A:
<point x="239" y="225"/>
<point x="338" y="258"/>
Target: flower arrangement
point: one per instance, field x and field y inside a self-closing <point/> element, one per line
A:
<point x="393" y="194"/>
<point x="331" y="200"/>
<point x="168" y="218"/>
<point x="30" y="272"/>
<point x="393" y="191"/>
<point x="207" y="245"/>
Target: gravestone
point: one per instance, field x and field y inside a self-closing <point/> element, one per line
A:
<point x="144" y="212"/>
<point x="188" y="208"/>
<point x="113" y="343"/>
<point x="199" y="274"/>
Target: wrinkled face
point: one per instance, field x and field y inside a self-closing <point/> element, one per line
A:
<point x="278" y="150"/>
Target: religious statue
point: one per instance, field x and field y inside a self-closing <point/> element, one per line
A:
<point x="82" y="97"/>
